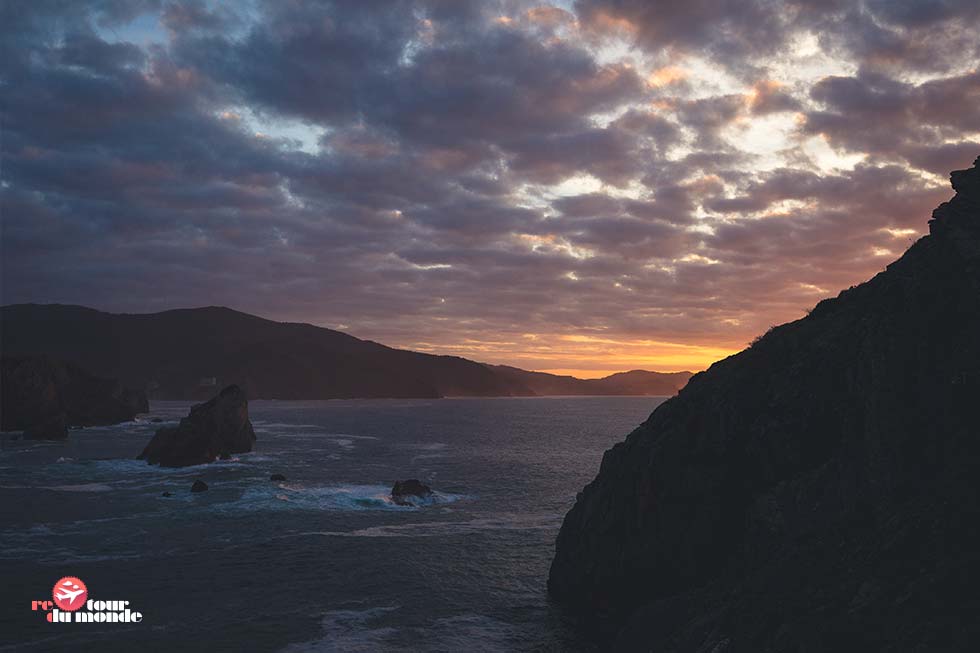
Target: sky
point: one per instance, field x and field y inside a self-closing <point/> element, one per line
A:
<point x="582" y="187"/>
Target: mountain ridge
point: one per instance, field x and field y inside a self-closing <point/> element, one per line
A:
<point x="184" y="353"/>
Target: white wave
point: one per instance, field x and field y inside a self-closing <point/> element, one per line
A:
<point x="300" y="496"/>
<point x="81" y="487"/>
<point x="119" y="425"/>
<point x="280" y="425"/>
<point x="253" y="457"/>
<point x="25" y="446"/>
<point x="121" y="467"/>
<point x="445" y="528"/>
<point x="289" y="434"/>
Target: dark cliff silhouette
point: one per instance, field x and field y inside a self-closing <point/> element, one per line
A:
<point x="44" y="397"/>
<point x="191" y="353"/>
<point x="815" y="492"/>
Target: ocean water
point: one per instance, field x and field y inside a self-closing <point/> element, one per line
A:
<point x="323" y="561"/>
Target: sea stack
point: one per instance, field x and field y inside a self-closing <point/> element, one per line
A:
<point x="216" y="428"/>
<point x="818" y="490"/>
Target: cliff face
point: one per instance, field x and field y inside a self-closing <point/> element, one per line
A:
<point x="817" y="491"/>
<point x="44" y="396"/>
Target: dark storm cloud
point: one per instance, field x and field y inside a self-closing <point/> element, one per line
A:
<point x="446" y="173"/>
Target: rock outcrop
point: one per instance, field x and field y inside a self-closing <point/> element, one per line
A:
<point x="817" y="491"/>
<point x="404" y="493"/>
<point x="216" y="428"/>
<point x="44" y="397"/>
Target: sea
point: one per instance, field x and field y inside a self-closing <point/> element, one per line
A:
<point x="323" y="561"/>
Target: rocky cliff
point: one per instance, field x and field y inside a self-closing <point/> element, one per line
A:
<point x="217" y="428"/>
<point x="817" y="491"/>
<point x="44" y="396"/>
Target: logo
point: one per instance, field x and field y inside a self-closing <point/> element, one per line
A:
<point x="70" y="593"/>
<point x="72" y="605"/>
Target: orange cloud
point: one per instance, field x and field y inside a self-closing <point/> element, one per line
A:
<point x="666" y="76"/>
<point x="603" y="21"/>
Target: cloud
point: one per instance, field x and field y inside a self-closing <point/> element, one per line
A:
<point x="923" y="124"/>
<point x="520" y="182"/>
<point x="728" y="29"/>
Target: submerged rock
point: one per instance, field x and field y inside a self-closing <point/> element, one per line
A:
<point x="817" y="491"/>
<point x="277" y="477"/>
<point x="199" y="486"/>
<point x="219" y="427"/>
<point x="170" y="494"/>
<point x="404" y="491"/>
<point x="44" y="397"/>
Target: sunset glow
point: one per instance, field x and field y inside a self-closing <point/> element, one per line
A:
<point x="582" y="188"/>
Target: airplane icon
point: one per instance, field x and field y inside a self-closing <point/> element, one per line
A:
<point x="67" y="593"/>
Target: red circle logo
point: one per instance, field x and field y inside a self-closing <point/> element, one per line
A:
<point x="69" y="593"/>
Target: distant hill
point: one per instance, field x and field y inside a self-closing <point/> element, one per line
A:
<point x="192" y="353"/>
<point x="636" y="382"/>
